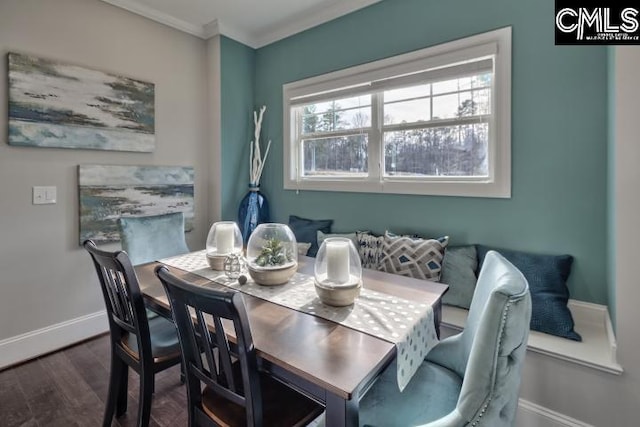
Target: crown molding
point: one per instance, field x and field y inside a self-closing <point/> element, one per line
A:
<point x="216" y="27"/>
<point x="163" y="18"/>
<point x="277" y="32"/>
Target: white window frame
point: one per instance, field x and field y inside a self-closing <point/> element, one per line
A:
<point x="496" y="44"/>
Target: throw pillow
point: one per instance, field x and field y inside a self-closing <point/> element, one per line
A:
<point x="418" y="258"/>
<point x="547" y="276"/>
<point x="305" y="230"/>
<point x="388" y="233"/>
<point x="321" y="237"/>
<point x="459" y="268"/>
<point x="370" y="249"/>
<point x="303" y="248"/>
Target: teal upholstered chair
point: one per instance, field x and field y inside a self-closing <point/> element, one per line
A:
<point x="150" y="238"/>
<point x="470" y="379"/>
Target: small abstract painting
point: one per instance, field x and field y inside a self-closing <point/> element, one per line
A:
<point x="109" y="192"/>
<point x="54" y="104"/>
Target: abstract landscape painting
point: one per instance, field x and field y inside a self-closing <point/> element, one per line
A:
<point x="109" y="192"/>
<point x="53" y="104"/>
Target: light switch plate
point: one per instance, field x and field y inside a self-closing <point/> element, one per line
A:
<point x="44" y="195"/>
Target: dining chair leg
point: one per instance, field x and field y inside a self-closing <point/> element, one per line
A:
<point x="146" y="396"/>
<point x="115" y="387"/>
<point x="123" y="395"/>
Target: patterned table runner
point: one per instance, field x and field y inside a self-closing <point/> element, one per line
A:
<point x="407" y="324"/>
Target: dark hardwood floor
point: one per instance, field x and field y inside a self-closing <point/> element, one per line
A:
<point x="69" y="388"/>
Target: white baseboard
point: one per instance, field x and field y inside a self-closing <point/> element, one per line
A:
<point x="532" y="415"/>
<point x="41" y="341"/>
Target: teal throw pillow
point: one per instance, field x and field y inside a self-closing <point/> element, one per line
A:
<point x="547" y="276"/>
<point x="459" y="268"/>
<point x="306" y="230"/>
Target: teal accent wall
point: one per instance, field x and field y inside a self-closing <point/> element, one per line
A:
<point x="611" y="194"/>
<point x="237" y="63"/>
<point x="559" y="132"/>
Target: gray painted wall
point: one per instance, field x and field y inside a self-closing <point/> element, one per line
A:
<point x="46" y="278"/>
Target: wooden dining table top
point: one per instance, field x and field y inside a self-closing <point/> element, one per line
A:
<point x="334" y="357"/>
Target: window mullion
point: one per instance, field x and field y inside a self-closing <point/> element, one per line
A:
<point x="375" y="138"/>
<point x="299" y="148"/>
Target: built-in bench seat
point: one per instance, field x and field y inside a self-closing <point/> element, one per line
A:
<point x="597" y="349"/>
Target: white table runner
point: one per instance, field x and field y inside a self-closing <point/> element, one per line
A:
<point x="407" y="324"/>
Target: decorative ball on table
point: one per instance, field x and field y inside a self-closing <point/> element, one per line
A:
<point x="254" y="207"/>
<point x="338" y="272"/>
<point x="224" y="239"/>
<point x="272" y="254"/>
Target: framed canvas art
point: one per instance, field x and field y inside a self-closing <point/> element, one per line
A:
<point x="55" y="104"/>
<point x="108" y="192"/>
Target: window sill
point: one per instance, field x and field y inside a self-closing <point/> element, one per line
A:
<point x="597" y="349"/>
<point x="501" y="189"/>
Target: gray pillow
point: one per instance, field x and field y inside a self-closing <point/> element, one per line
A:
<point x="322" y="236"/>
<point x="459" y="272"/>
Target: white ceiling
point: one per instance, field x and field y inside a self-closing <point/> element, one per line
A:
<point x="255" y="23"/>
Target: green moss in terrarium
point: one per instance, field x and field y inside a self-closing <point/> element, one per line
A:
<point x="273" y="254"/>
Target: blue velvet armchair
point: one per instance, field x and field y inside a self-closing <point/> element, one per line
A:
<point x="150" y="238"/>
<point x="470" y="379"/>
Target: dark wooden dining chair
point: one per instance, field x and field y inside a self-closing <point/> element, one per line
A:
<point x="235" y="392"/>
<point x="147" y="344"/>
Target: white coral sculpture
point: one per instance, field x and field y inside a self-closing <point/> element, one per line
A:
<point x="256" y="161"/>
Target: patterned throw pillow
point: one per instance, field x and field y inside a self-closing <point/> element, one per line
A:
<point x="369" y="249"/>
<point x="418" y="258"/>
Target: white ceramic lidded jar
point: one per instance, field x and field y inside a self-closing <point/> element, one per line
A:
<point x="272" y="254"/>
<point x="338" y="272"/>
<point x="223" y="240"/>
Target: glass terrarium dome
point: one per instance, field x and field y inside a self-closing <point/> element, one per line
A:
<point x="272" y="246"/>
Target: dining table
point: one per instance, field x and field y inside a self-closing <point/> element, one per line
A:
<point x="332" y="363"/>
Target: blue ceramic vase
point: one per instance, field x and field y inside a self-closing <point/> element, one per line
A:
<point x="253" y="210"/>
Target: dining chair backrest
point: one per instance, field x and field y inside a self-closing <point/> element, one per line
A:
<point x="123" y="300"/>
<point x="489" y="353"/>
<point x="153" y="237"/>
<point x="195" y="337"/>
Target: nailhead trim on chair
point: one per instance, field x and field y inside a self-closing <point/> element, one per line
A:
<point x="504" y="320"/>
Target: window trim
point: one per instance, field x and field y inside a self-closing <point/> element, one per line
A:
<point x="356" y="79"/>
